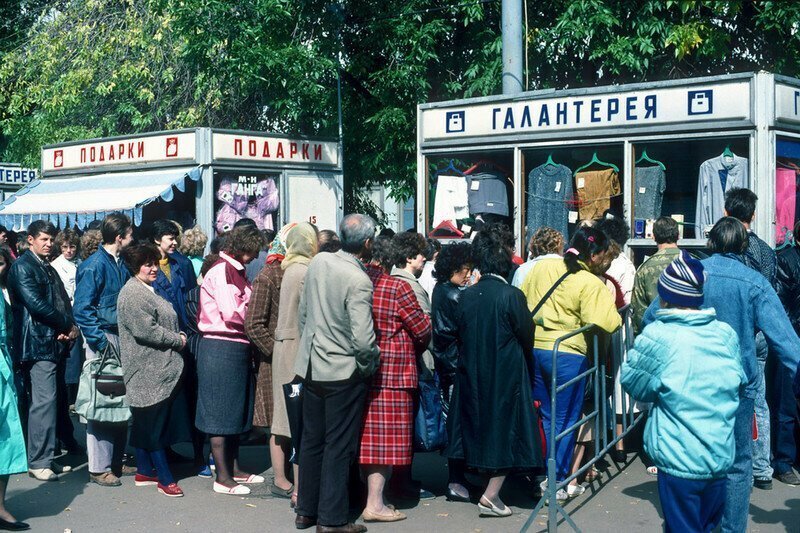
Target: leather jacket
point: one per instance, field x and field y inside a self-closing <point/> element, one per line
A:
<point x="41" y="310"/>
<point x="788" y="283"/>
<point x="444" y="308"/>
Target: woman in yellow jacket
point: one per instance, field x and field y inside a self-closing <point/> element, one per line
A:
<point x="580" y="298"/>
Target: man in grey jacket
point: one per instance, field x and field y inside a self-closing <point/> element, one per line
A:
<point x="337" y="355"/>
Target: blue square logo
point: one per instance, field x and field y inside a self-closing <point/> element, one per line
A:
<point x="701" y="102"/>
<point x="454" y="122"/>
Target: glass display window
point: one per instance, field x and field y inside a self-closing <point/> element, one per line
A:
<point x="242" y="194"/>
<point x="467" y="190"/>
<point x="571" y="185"/>
<point x="686" y="180"/>
<point x="787" y="176"/>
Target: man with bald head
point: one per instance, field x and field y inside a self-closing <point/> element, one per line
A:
<point x="337" y="355"/>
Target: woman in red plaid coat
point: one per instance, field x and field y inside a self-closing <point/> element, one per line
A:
<point x="402" y="331"/>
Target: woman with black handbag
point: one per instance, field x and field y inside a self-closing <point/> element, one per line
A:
<point x="150" y="346"/>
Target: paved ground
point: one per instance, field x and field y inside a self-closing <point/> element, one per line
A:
<point x="624" y="500"/>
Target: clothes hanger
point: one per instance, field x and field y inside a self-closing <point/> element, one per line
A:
<point x="595" y="160"/>
<point x="727" y="152"/>
<point x="647" y="158"/>
<point x="550" y="161"/>
<point x="450" y="167"/>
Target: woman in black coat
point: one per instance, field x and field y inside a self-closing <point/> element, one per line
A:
<point x="452" y="273"/>
<point x="492" y="408"/>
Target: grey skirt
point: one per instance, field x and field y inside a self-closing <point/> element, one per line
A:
<point x="225" y="387"/>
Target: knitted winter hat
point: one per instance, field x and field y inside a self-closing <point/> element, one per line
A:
<point x="681" y="283"/>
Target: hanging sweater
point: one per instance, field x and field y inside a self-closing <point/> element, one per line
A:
<point x="717" y="176"/>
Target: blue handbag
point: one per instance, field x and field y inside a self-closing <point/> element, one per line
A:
<point x="430" y="432"/>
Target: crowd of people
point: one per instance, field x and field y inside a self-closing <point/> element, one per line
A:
<point x="326" y="338"/>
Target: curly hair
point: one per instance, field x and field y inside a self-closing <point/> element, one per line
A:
<point x="408" y="245"/>
<point x="452" y="259"/>
<point x="193" y="242"/>
<point x="383" y="251"/>
<point x="139" y="254"/>
<point x="243" y="240"/>
<point x="546" y="240"/>
<point x="90" y="242"/>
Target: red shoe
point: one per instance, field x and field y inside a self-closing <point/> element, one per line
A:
<point x="172" y="490"/>
<point x="144" y="481"/>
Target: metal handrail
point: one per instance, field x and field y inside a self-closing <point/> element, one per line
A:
<point x="599" y="415"/>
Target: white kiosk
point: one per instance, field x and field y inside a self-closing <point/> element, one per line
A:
<point x="645" y="150"/>
<point x="206" y="176"/>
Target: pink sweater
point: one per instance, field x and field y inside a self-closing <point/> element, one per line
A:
<point x="224" y="296"/>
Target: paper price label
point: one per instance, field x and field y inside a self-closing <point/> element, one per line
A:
<point x="558" y="186"/>
<point x="581" y="182"/>
<point x="642" y="190"/>
<point x="573" y="217"/>
<point x="475" y="185"/>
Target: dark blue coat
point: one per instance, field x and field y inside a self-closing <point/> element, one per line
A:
<point x="176" y="290"/>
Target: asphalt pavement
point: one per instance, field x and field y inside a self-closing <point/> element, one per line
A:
<point x="624" y="499"/>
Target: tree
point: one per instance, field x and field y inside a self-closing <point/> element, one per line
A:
<point x="90" y="68"/>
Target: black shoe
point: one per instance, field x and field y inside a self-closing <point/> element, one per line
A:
<point x="790" y="478"/>
<point x="453" y="496"/>
<point x="762" y="483"/>
<point x="619" y="456"/>
<point x="5" y="525"/>
<point x="304" y="522"/>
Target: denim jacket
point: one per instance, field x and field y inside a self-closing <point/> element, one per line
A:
<point x="97" y="285"/>
<point x="746" y="301"/>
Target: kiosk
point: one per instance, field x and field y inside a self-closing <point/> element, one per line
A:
<point x="13" y="177"/>
<point x="198" y="176"/>
<point x="559" y="158"/>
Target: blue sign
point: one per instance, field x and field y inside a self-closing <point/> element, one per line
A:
<point x="701" y="102"/>
<point x="17" y="176"/>
<point x="455" y="122"/>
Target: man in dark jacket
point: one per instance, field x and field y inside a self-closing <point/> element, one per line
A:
<point x="97" y="285"/>
<point x="43" y="331"/>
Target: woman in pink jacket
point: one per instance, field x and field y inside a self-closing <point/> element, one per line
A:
<point x="224" y="364"/>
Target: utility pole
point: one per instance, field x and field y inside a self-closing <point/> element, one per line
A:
<point x="512" y="46"/>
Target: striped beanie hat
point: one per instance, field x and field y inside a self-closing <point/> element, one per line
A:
<point x="681" y="283"/>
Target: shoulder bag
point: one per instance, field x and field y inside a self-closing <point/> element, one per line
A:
<point x="101" y="390"/>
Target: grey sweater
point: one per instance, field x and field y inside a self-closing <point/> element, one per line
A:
<point x="149" y="341"/>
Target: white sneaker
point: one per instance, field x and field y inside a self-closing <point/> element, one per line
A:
<point x="60" y="469"/>
<point x="250" y="478"/>
<point x="561" y="496"/>
<point x="42" y="474"/>
<point x="573" y="491"/>
<point x="238" y="490"/>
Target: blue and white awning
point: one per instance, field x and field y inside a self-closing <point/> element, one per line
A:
<point x="82" y="199"/>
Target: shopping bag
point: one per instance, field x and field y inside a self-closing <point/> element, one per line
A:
<point x="430" y="432"/>
<point x="293" y="395"/>
<point x="101" y="389"/>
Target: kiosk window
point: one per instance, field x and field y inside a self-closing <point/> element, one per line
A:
<point x="239" y="195"/>
<point x="468" y="190"/>
<point x="568" y="186"/>
<point x="686" y="180"/>
<point x="786" y="197"/>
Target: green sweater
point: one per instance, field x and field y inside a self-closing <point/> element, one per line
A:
<point x="645" y="285"/>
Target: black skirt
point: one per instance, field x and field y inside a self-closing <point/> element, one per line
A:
<point x="161" y="425"/>
<point x="225" y="387"/>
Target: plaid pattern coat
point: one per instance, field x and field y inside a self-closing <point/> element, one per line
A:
<point x="402" y="331"/>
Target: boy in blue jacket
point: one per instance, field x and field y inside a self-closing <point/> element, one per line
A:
<point x="687" y="363"/>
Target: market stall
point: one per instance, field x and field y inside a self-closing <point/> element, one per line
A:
<point x="205" y="176"/>
<point x="560" y="158"/>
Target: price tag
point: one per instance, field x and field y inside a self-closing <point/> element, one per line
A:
<point x="558" y="186"/>
<point x="581" y="183"/>
<point x="642" y="190"/>
<point x="573" y="217"/>
<point x="475" y="185"/>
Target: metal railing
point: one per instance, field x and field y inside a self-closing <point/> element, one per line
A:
<point x="605" y="405"/>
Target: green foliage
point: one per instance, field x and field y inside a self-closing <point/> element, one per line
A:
<point x="75" y="69"/>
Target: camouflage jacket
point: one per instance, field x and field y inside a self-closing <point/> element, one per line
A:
<point x="645" y="285"/>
